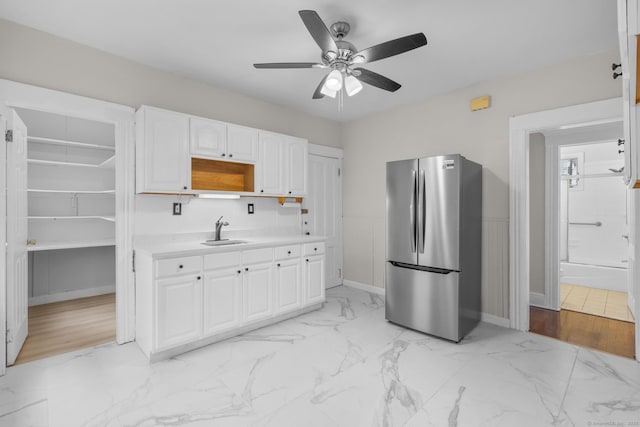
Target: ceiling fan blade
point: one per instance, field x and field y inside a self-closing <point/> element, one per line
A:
<point x="377" y="80"/>
<point x="317" y="94"/>
<point x="393" y="47"/>
<point x="289" y="65"/>
<point x="318" y="30"/>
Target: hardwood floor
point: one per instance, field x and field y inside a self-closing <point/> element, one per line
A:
<point x="586" y="330"/>
<point x="66" y="326"/>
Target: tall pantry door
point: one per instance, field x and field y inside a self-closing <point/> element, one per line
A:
<point x="17" y="261"/>
<point x="324" y="202"/>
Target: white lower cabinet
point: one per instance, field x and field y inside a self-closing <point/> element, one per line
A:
<point x="222" y="298"/>
<point x="178" y="311"/>
<point x="258" y="291"/>
<point x="287" y="281"/>
<point x="184" y="302"/>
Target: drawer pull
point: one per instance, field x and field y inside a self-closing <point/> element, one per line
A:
<point x="239" y="271"/>
<point x="289" y="252"/>
<point x="315" y="249"/>
<point x="199" y="277"/>
<point x="278" y="265"/>
<point x="181" y="266"/>
<point x="307" y="259"/>
<point x="246" y="269"/>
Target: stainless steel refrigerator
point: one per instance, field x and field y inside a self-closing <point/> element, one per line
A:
<point x="433" y="245"/>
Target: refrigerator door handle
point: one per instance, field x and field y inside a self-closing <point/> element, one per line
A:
<point x="422" y="210"/>
<point x="412" y="210"/>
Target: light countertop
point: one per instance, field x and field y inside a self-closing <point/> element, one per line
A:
<point x="168" y="249"/>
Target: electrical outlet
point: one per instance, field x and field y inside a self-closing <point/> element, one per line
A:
<point x="177" y="208"/>
<point x="250" y="210"/>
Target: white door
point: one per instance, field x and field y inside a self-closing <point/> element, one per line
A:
<point x="3" y="235"/>
<point x="17" y="280"/>
<point x="270" y="175"/>
<point x="222" y="299"/>
<point x="208" y="138"/>
<point x="258" y="292"/>
<point x="242" y="143"/>
<point x="288" y="285"/>
<point x="179" y="311"/>
<point x="324" y="202"/>
<point x="314" y="279"/>
<point x="297" y="161"/>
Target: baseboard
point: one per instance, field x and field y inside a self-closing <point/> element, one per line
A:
<point x="363" y="287"/>
<point x="66" y="296"/>
<point x="494" y="320"/>
<point x="537" y="299"/>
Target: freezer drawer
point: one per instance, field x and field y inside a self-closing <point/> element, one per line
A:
<point x="424" y="301"/>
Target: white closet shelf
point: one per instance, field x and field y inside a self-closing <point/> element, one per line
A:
<point x="47" y="246"/>
<point x="65" y="218"/>
<point x="69" y="143"/>
<point x="57" y="163"/>
<point x="41" y="190"/>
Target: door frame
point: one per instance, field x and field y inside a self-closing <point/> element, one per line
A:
<point x="520" y="128"/>
<point x="334" y="153"/>
<point x="20" y="95"/>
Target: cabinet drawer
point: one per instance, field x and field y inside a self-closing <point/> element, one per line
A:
<point x="313" y="248"/>
<point x="215" y="261"/>
<point x="284" y="252"/>
<point x="257" y="255"/>
<point x="183" y="265"/>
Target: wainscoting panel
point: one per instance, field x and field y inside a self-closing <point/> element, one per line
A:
<point x="495" y="266"/>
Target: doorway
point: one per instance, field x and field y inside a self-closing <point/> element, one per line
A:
<point x="114" y="232"/>
<point x="522" y="228"/>
<point x="70" y="233"/>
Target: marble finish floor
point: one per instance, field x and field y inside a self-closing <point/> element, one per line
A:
<point x="343" y="365"/>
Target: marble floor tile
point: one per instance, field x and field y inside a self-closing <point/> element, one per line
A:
<point x="343" y="365"/>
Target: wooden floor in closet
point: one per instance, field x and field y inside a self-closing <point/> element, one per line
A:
<point x="66" y="326"/>
<point x="586" y="330"/>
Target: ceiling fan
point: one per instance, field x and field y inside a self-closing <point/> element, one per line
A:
<point x="343" y="58"/>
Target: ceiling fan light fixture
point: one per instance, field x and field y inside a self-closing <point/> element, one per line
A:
<point x="328" y="92"/>
<point x="334" y="81"/>
<point x="352" y="85"/>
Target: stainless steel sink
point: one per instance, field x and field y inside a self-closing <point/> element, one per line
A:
<point x="224" y="242"/>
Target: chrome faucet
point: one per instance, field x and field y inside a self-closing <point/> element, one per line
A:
<point x="219" y="225"/>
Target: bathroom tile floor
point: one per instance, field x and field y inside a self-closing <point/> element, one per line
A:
<point x="599" y="302"/>
<point x="343" y="365"/>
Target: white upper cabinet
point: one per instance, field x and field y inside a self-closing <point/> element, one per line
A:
<point x="162" y="151"/>
<point x="297" y="155"/>
<point x="242" y="144"/>
<point x="208" y="138"/>
<point x="224" y="141"/>
<point x="269" y="179"/>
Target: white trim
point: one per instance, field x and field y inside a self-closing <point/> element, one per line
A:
<point x="519" y="245"/>
<point x="123" y="118"/>
<point x="326" y="151"/>
<point x="363" y="287"/>
<point x="66" y="296"/>
<point x="551" y="226"/>
<point x="537" y="299"/>
<point x="494" y="320"/>
<point x="3" y="239"/>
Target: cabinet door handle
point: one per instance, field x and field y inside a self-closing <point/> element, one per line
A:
<point x="230" y="155"/>
<point x="307" y="259"/>
<point x="315" y="249"/>
<point x="278" y="265"/>
<point x="246" y="269"/>
<point x="181" y="266"/>
<point x="199" y="277"/>
<point x="262" y="191"/>
<point x="223" y="154"/>
<point x="184" y="188"/>
<point x="239" y="271"/>
<point x="289" y="252"/>
<point x="289" y="192"/>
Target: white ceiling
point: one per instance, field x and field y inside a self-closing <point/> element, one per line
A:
<point x="217" y="41"/>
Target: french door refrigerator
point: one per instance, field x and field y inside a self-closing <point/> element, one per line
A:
<point x="433" y="245"/>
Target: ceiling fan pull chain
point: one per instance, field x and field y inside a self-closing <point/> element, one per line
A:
<point x="340" y="100"/>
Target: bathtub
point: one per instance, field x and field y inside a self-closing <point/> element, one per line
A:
<point x="594" y="276"/>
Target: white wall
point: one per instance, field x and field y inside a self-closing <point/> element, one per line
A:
<point x="443" y="125"/>
<point x="40" y="59"/>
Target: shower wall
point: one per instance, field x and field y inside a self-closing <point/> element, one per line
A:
<point x="593" y="249"/>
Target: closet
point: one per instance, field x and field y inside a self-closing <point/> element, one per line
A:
<point x="71" y="211"/>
